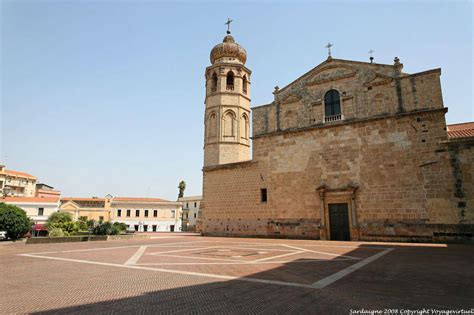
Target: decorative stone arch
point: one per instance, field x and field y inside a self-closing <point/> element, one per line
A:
<point x="244" y="84"/>
<point x="290" y="119"/>
<point x="378" y="103"/>
<point x="230" y="80"/>
<point x="229" y="122"/>
<point x="288" y="110"/>
<point x="332" y="108"/>
<point x="244" y="126"/>
<point x="211" y="125"/>
<point x="214" y="81"/>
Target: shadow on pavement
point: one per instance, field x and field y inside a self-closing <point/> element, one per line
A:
<point x="410" y="277"/>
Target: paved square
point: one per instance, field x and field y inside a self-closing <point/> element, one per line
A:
<point x="228" y="275"/>
<point x="244" y="261"/>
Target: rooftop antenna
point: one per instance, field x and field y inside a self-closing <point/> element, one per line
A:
<point x="371" y="51"/>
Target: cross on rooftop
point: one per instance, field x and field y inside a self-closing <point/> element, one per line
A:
<point x="228" y="24"/>
<point x="371" y="51"/>
<point x="328" y="46"/>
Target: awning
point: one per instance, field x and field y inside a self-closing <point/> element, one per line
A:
<point x="39" y="227"/>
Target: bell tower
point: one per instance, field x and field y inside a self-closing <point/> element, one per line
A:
<point x="227" y="114"/>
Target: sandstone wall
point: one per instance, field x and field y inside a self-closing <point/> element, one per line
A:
<point x="365" y="90"/>
<point x="412" y="183"/>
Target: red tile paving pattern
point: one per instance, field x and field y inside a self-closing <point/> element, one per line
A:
<point x="174" y="273"/>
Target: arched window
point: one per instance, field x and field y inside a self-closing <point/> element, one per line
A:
<point x="244" y="127"/>
<point x="214" y="82"/>
<point x="244" y="84"/>
<point x="212" y="126"/>
<point x="332" y="106"/>
<point x="229" y="124"/>
<point x="230" y="81"/>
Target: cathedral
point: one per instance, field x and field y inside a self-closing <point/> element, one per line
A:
<point x="350" y="150"/>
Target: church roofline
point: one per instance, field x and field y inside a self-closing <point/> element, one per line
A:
<point x="329" y="60"/>
<point x="264" y="105"/>
<point x="436" y="70"/>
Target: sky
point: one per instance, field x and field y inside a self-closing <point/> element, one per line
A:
<point x="100" y="97"/>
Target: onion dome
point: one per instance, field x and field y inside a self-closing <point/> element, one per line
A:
<point x="228" y="49"/>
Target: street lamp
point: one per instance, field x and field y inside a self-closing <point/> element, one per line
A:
<point x="91" y="227"/>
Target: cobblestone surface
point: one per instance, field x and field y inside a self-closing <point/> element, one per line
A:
<point x="191" y="274"/>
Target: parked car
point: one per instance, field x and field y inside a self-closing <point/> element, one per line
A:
<point x="3" y="235"/>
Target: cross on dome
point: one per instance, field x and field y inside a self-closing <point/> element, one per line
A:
<point x="228" y="24"/>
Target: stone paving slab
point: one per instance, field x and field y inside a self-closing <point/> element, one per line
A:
<point x="231" y="275"/>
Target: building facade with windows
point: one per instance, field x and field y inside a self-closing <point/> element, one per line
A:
<point x="191" y="206"/>
<point x="147" y="214"/>
<point x="139" y="214"/>
<point x="348" y="151"/>
<point x="95" y="208"/>
<point x="16" y="184"/>
<point x="38" y="209"/>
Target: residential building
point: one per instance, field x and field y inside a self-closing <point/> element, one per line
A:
<point x="147" y="214"/>
<point x="36" y="208"/>
<point x="43" y="190"/>
<point x="191" y="207"/>
<point x="348" y="151"/>
<point x="14" y="183"/>
<point x="139" y="214"/>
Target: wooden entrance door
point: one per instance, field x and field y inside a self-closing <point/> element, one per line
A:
<point x="339" y="221"/>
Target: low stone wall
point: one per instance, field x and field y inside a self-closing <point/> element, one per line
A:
<point x="412" y="232"/>
<point x="83" y="238"/>
<point x="65" y="239"/>
<point x="270" y="236"/>
<point x="377" y="232"/>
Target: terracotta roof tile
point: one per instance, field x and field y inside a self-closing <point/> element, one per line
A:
<point x="48" y="192"/>
<point x="19" y="174"/>
<point x="139" y="199"/>
<point x="463" y="130"/>
<point x="82" y="199"/>
<point x="30" y="199"/>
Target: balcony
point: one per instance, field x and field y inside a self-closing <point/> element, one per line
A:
<point x="229" y="87"/>
<point x="333" y="118"/>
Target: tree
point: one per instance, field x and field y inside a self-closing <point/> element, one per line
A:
<point x="107" y="228"/>
<point x="56" y="232"/>
<point x="82" y="224"/>
<point x="59" y="217"/>
<point x="63" y="221"/>
<point x="182" y="187"/>
<point x="14" y="221"/>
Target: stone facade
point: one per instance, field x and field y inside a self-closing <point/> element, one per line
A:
<point x="385" y="157"/>
<point x="227" y="115"/>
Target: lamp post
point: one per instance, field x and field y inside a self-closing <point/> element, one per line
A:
<point x="182" y="220"/>
<point x="90" y="229"/>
